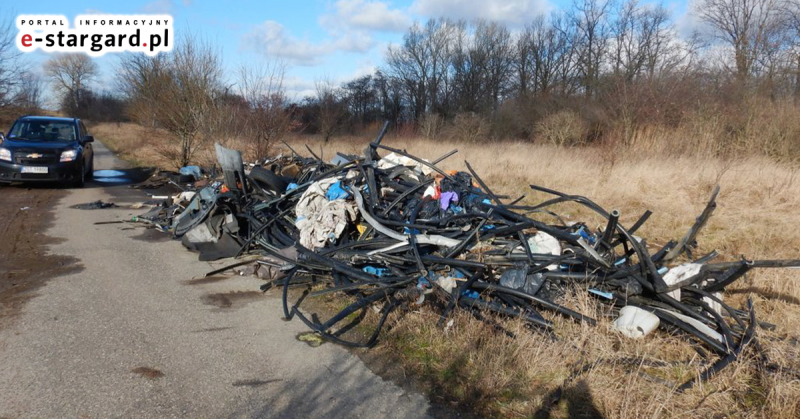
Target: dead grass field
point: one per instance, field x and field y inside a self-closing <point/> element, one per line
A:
<point x="472" y="366"/>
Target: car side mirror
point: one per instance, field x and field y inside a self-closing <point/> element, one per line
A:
<point x="88" y="139"/>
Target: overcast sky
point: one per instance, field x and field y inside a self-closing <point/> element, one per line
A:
<point x="317" y="39"/>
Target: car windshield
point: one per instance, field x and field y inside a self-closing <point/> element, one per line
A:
<point x="38" y="130"/>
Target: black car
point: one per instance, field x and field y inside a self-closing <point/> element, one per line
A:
<point x="47" y="149"/>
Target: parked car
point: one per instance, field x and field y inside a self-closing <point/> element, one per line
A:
<point x="47" y="149"/>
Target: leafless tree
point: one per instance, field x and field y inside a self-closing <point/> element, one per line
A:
<point x="28" y="94"/>
<point x="410" y="65"/>
<point x="643" y="42"/>
<point x="747" y="26"/>
<point x="495" y="51"/>
<point x="544" y="55"/>
<point x="482" y="67"/>
<point x="590" y="18"/>
<point x="266" y="120"/>
<point x="792" y="11"/>
<point x="624" y="57"/>
<point x="564" y="53"/>
<point x="71" y="74"/>
<point x="438" y="42"/>
<point x="178" y="91"/>
<point x="332" y="109"/>
<point x="389" y="96"/>
<point x="523" y="52"/>
<point x="141" y="79"/>
<point x="10" y="63"/>
<point x="361" y="97"/>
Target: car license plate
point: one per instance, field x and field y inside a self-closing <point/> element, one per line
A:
<point x="34" y="169"/>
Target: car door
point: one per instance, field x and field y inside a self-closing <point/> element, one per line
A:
<point x="88" y="151"/>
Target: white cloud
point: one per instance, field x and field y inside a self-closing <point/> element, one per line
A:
<point x="365" y="68"/>
<point x="366" y="15"/>
<point x="272" y="39"/>
<point x="516" y="12"/>
<point x="356" y="41"/>
<point x="297" y="88"/>
<point x="688" y="22"/>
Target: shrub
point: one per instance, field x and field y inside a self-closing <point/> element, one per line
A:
<point x="563" y="128"/>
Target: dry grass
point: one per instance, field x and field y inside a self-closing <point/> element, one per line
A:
<point x="146" y="146"/>
<point x="473" y="366"/>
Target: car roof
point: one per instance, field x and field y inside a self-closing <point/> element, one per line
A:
<point x="47" y="118"/>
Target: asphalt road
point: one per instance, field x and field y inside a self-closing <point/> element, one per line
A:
<point x="130" y="335"/>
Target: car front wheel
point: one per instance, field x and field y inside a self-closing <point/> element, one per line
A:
<point x="80" y="177"/>
<point x="90" y="172"/>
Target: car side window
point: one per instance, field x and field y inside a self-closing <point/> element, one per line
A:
<point x="82" y="130"/>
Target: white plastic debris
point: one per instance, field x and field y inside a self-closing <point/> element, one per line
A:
<point x="713" y="304"/>
<point x="635" y="323"/>
<point x="394" y="159"/>
<point x="544" y="243"/>
<point x="701" y="327"/>
<point x="678" y="274"/>
<point x="447" y="283"/>
<point x="184" y="196"/>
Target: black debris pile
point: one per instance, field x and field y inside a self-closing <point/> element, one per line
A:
<point x="95" y="205"/>
<point x="394" y="231"/>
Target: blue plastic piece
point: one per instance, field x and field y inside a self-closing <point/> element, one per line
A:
<point x="471" y="294"/>
<point x="193" y="171"/>
<point x="336" y="191"/>
<point x="292" y="186"/>
<point x="591" y="239"/>
<point x="423" y="283"/>
<point x="375" y="271"/>
<point x="606" y="295"/>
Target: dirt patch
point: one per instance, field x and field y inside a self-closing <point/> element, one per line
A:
<point x="147" y="372"/>
<point x="152" y="235"/>
<point x="254" y="383"/>
<point x="25" y="261"/>
<point x="94" y="205"/>
<point x="236" y="299"/>
<point x="206" y="280"/>
<point x="212" y="329"/>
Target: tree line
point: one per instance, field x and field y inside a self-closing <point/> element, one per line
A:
<point x="607" y="65"/>
<point x="598" y="71"/>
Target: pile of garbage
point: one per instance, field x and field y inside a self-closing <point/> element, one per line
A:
<point x="394" y="231"/>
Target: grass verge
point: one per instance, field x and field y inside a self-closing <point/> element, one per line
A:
<point x="471" y="366"/>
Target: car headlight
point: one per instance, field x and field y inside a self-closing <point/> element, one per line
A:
<point x="69" y="155"/>
<point x="5" y="154"/>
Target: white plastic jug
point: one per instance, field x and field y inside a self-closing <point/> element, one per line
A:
<point x="635" y="323"/>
